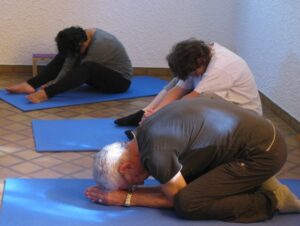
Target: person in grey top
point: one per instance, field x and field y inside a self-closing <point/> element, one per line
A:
<point x="213" y="160"/>
<point x="90" y="56"/>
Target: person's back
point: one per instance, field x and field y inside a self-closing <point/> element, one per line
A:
<point x="243" y="92"/>
<point x="207" y="125"/>
<point x="108" y="51"/>
<point x="228" y="76"/>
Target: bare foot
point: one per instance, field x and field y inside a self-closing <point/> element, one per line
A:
<point x="38" y="97"/>
<point x="287" y="201"/>
<point x="271" y="184"/>
<point x="21" y="88"/>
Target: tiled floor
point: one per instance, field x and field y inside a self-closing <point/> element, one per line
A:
<point x="19" y="159"/>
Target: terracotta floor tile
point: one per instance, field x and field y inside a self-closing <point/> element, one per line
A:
<point x="47" y="161"/>
<point x="26" y="168"/>
<point x="86" y="173"/>
<point x="11" y="147"/>
<point x="3" y="142"/>
<point x="28" y="154"/>
<point x="9" y="160"/>
<point x="18" y="118"/>
<point x="28" y="143"/>
<point x="3" y="131"/>
<point x="67" y="156"/>
<point x="13" y="137"/>
<point x="67" y="168"/>
<point x="8" y="173"/>
<point x="46" y="173"/>
<point x="15" y="127"/>
<point x="84" y="162"/>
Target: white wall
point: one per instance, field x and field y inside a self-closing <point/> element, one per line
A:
<point x="264" y="32"/>
<point x="148" y="28"/>
<point x="268" y="37"/>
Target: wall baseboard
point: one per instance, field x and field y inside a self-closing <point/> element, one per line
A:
<point x="165" y="73"/>
<point x="286" y="117"/>
<point x="24" y="69"/>
<point x="27" y="69"/>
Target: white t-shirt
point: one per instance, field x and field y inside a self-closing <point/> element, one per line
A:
<point x="228" y="76"/>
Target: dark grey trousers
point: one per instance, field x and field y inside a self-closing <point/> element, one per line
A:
<point x="231" y="191"/>
<point x="101" y="78"/>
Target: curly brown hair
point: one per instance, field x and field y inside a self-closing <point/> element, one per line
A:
<point x="69" y="41"/>
<point x="188" y="55"/>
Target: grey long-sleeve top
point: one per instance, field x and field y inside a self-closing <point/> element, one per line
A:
<point x="106" y="50"/>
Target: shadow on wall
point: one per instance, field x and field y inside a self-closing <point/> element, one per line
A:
<point x="289" y="79"/>
<point x="288" y="86"/>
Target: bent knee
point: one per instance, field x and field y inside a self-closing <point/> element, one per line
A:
<point x="122" y="87"/>
<point x="189" y="208"/>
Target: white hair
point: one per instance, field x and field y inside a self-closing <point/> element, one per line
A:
<point x="106" y="165"/>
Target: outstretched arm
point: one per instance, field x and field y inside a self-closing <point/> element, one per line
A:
<point x="155" y="197"/>
<point x="164" y="99"/>
<point x="142" y="196"/>
<point x="69" y="64"/>
<point x="174" y="94"/>
<point x="192" y="94"/>
<point x="159" y="97"/>
<point x="170" y="96"/>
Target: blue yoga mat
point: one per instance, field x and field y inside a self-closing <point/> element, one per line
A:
<point x="76" y="134"/>
<point x="141" y="86"/>
<point x="60" y="202"/>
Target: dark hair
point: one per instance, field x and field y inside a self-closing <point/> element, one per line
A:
<point x="188" y="55"/>
<point x="69" y="41"/>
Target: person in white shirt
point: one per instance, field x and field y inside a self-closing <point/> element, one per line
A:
<point x="202" y="67"/>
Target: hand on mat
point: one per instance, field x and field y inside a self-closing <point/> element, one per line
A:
<point x="115" y="198"/>
<point x="38" y="96"/>
<point x="147" y="113"/>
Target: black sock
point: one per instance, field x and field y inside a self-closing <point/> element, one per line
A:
<point x="129" y="134"/>
<point x="130" y="120"/>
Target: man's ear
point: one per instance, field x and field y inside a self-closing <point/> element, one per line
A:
<point x="125" y="167"/>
